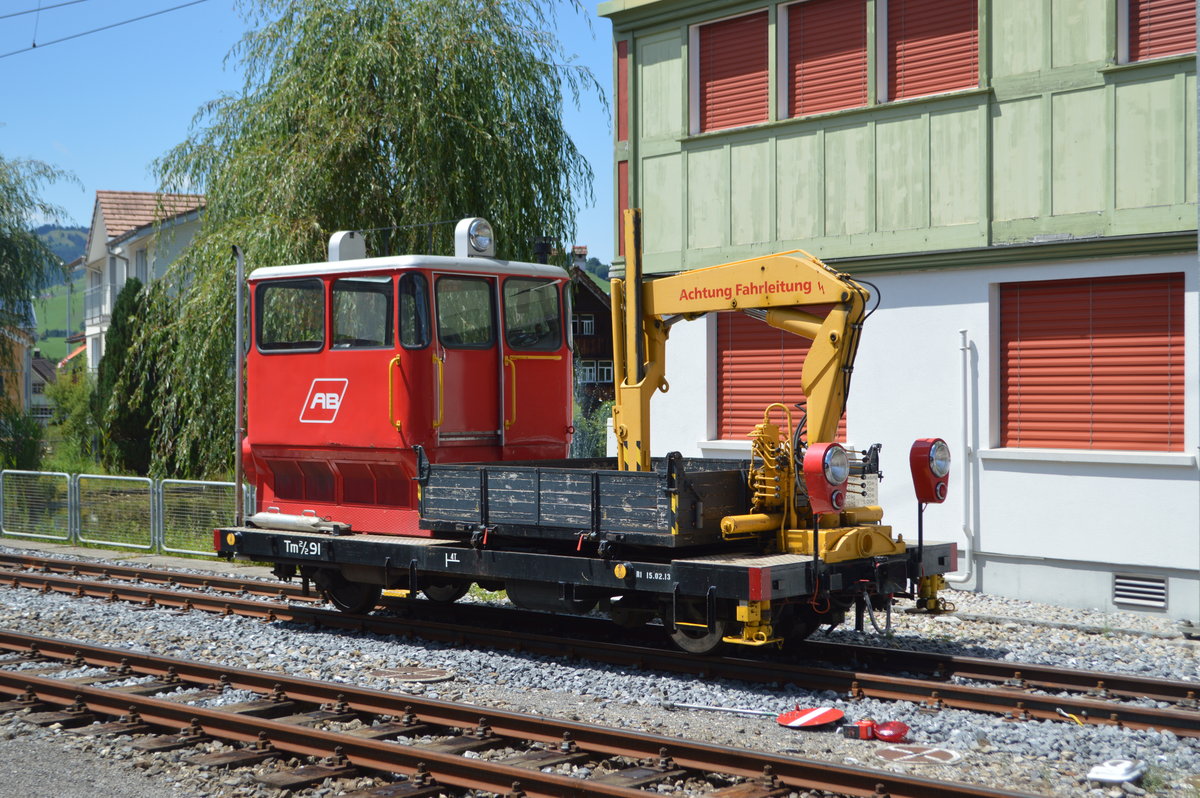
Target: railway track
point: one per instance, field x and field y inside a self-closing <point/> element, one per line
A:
<point x="1019" y="691"/>
<point x="423" y="739"/>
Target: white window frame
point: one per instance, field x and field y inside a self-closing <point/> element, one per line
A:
<point x="1123" y="31"/>
<point x="694" y="65"/>
<point x="882" y="56"/>
<point x="587" y="371"/>
<point x="604" y="371"/>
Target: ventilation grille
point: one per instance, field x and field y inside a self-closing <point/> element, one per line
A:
<point x="1141" y="591"/>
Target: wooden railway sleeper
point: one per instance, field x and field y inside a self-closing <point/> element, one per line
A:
<point x="334" y="766"/>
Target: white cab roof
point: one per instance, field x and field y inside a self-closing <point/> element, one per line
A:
<point x="400" y="262"/>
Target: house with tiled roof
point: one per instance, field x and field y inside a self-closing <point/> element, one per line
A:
<point x="18" y="333"/>
<point x="133" y="234"/>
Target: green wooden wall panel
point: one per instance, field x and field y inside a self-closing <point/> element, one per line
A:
<point x="902" y="174"/>
<point x="660" y="70"/>
<point x="1189" y="140"/>
<point x="848" y="170"/>
<point x="1023" y="23"/>
<point x="1149" y="122"/>
<point x="662" y="229"/>
<point x="751" y="193"/>
<point x="1059" y="141"/>
<point x="1077" y="31"/>
<point x="708" y="197"/>
<point x="1018" y="159"/>
<point x="799" y="181"/>
<point x="1078" y="151"/>
<point x="955" y="167"/>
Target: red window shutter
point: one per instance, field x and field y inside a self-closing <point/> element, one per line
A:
<point x="933" y="46"/>
<point x="1161" y="27"/>
<point x="827" y="55"/>
<point x="757" y="365"/>
<point x="622" y="203"/>
<point x="1093" y="363"/>
<point x="733" y="72"/>
<point x="622" y="91"/>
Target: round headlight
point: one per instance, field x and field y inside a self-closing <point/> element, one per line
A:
<point x="939" y="459"/>
<point x="836" y="465"/>
<point x="480" y="234"/>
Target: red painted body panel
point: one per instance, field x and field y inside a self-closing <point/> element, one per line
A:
<point x="326" y="436"/>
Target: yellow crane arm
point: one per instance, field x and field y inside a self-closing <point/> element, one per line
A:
<point x="773" y="288"/>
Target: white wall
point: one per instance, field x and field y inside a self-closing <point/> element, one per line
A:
<point x="1073" y="517"/>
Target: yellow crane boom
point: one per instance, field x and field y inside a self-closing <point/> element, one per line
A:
<point x="773" y="288"/>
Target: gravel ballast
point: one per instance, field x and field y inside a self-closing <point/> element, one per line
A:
<point x="1046" y="758"/>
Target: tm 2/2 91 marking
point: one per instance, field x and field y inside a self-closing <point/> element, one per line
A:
<point x="303" y="548"/>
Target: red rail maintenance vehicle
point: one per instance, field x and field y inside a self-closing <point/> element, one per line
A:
<point x="409" y="420"/>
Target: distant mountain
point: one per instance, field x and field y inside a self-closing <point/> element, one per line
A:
<point x="66" y="242"/>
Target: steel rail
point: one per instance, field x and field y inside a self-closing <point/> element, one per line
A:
<point x="1017" y="674"/>
<point x="1010" y="701"/>
<point x="936" y="665"/>
<point x="219" y="582"/>
<point x="792" y="771"/>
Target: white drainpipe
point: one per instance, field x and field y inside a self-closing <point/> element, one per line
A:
<point x="968" y="535"/>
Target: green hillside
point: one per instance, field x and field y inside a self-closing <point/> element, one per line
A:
<point x="66" y="242"/>
<point x="51" y="308"/>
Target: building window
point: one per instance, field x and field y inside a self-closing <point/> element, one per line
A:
<point x="140" y="266"/>
<point x="583" y="324"/>
<point x="39" y="387"/>
<point x="730" y="66"/>
<point x="604" y="371"/>
<point x="824" y="54"/>
<point x="932" y="46"/>
<point x="587" y="371"/>
<point x="1093" y="364"/>
<point x="756" y="365"/>
<point x="1158" y="28"/>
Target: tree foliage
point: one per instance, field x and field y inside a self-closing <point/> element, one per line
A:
<point x="126" y="421"/>
<point x="26" y="263"/>
<point x="74" y="434"/>
<point x="382" y="117"/>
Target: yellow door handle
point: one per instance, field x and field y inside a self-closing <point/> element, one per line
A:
<point x="441" y="395"/>
<point x="392" y="393"/>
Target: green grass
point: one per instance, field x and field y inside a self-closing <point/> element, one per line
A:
<point x="51" y="309"/>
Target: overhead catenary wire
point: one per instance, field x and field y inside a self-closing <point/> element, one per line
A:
<point x="40" y="8"/>
<point x="102" y="28"/>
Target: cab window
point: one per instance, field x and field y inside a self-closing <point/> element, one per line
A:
<point x="362" y="312"/>
<point x="531" y="314"/>
<point x="290" y="315"/>
<point x="413" y="294"/>
<point x="464" y="313"/>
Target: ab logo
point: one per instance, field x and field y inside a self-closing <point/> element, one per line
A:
<point x="323" y="401"/>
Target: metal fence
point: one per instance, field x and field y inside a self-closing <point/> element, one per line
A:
<point x="167" y="515"/>
<point x="36" y="504"/>
<point x="115" y="511"/>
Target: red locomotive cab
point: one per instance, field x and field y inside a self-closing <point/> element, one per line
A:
<point x="355" y="361"/>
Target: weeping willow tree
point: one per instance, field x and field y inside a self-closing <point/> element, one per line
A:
<point x="26" y="263"/>
<point x="386" y="116"/>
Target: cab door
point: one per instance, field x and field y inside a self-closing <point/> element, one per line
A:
<point x="537" y="376"/>
<point x="466" y="360"/>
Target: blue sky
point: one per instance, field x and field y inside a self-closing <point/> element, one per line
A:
<point x="105" y="105"/>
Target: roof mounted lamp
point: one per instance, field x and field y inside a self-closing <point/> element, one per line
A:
<point x="473" y="238"/>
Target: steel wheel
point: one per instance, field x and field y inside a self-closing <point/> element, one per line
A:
<point x="355" y="598"/>
<point x="446" y="592"/>
<point x="694" y="639"/>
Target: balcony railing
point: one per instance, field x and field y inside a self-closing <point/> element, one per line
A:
<point x="97" y="304"/>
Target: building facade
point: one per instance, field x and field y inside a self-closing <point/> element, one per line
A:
<point x="133" y="234"/>
<point x="1017" y="180"/>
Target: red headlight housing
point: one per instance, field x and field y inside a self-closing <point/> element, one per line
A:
<point x="929" y="460"/>
<point x="826" y="473"/>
